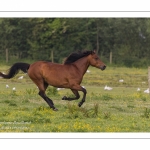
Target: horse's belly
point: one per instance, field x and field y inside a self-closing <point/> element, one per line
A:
<point x="57" y="81"/>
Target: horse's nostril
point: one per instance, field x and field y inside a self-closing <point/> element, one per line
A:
<point x="104" y="67"/>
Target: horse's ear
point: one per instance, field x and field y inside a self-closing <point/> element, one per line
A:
<point x="94" y="51"/>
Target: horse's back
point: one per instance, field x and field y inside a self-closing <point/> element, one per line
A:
<point x="35" y="69"/>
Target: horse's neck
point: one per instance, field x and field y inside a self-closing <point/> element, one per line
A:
<point x="82" y="64"/>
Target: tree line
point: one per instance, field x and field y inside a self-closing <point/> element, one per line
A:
<point x="120" y="41"/>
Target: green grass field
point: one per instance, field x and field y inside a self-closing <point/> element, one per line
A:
<point x="123" y="109"/>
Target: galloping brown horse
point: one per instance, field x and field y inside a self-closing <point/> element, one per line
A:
<point x="67" y="75"/>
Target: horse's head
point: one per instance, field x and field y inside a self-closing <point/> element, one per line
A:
<point x="95" y="61"/>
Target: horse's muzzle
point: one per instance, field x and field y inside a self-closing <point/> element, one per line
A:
<point x="103" y="67"/>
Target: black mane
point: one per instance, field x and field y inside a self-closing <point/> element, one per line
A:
<point x="75" y="56"/>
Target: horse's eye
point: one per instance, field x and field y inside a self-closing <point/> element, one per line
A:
<point x="96" y="58"/>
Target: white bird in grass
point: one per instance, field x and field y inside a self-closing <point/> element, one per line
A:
<point x="108" y="88"/>
<point x="20" y="77"/>
<point x="14" y="89"/>
<point x="58" y="89"/>
<point x="121" y="80"/>
<point x="146" y="91"/>
<point x="88" y="71"/>
<point x="138" y="89"/>
<point x="7" y="86"/>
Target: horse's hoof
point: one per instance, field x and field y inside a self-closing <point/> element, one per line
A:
<point x="79" y="104"/>
<point x="64" y="98"/>
<point x="55" y="109"/>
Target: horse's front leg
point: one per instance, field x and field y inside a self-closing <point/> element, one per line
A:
<point x="75" y="92"/>
<point x="84" y="96"/>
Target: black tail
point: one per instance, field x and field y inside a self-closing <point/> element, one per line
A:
<point x="15" y="69"/>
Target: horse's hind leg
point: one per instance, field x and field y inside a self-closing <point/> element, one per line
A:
<point x="42" y="88"/>
<point x="76" y="93"/>
<point x="48" y="100"/>
<point x="43" y="95"/>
